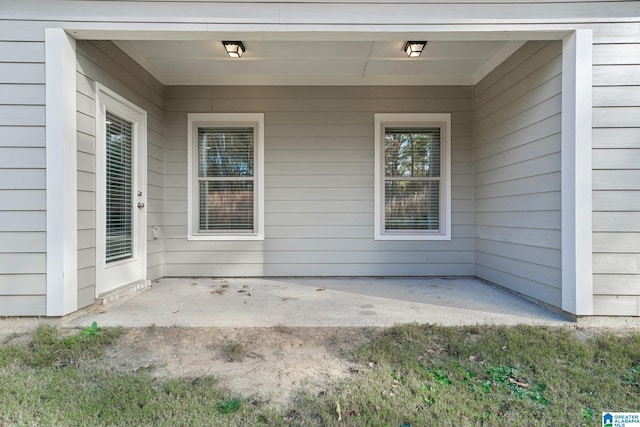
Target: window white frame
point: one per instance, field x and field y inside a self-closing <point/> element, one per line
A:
<point x="197" y="120"/>
<point x="382" y="121"/>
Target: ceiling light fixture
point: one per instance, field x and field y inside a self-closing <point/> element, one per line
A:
<point x="414" y="49"/>
<point x="234" y="49"/>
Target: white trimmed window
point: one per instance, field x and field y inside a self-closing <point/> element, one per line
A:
<point x="412" y="177"/>
<point x="226" y="176"/>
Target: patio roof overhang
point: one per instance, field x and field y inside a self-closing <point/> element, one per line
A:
<point x="576" y="147"/>
<point x="286" y="55"/>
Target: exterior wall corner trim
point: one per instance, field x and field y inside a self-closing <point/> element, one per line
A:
<point x="577" y="258"/>
<point x="61" y="180"/>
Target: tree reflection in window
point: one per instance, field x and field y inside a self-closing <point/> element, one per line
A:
<point x="226" y="179"/>
<point x="412" y="178"/>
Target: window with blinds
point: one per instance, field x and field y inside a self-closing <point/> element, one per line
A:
<point x="412" y="178"/>
<point x="119" y="188"/>
<point x="226" y="179"/>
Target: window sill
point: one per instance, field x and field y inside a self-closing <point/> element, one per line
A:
<point x="379" y="236"/>
<point x="228" y="237"/>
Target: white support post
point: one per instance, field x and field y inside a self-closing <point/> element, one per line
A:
<point x="577" y="269"/>
<point x="62" y="200"/>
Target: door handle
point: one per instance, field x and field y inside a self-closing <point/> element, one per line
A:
<point x="141" y="205"/>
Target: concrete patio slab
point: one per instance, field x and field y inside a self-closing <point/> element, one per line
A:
<point x="318" y="302"/>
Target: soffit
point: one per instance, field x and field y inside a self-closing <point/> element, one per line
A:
<point x="318" y="62"/>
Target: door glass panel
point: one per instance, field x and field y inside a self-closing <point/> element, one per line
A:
<point x="119" y="182"/>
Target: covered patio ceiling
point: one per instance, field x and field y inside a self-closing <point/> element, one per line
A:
<point x="318" y="62"/>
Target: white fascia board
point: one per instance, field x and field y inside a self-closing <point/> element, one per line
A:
<point x="61" y="163"/>
<point x="321" y="32"/>
<point x="577" y="268"/>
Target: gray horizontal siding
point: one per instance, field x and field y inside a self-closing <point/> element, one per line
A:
<point x="103" y="62"/>
<point x="517" y="173"/>
<point x="319" y="12"/>
<point x="317" y="269"/>
<point x="22" y="179"/>
<point x="22" y="305"/>
<point x="616" y="173"/>
<point x="318" y="184"/>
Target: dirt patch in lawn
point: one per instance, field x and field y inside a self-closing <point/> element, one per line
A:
<point x="266" y="364"/>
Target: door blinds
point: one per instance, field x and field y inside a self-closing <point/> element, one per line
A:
<point x="119" y="182"/>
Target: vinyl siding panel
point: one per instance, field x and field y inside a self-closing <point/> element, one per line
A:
<point x="22" y="73"/>
<point x="23" y="263"/>
<point x="28" y="284"/>
<point x="16" y="94"/>
<point x="319" y="148"/>
<point x="605" y="305"/>
<point x="617" y="33"/>
<point x="22" y="136"/>
<point x="22" y="242"/>
<point x="517" y="125"/>
<point x="608" y="221"/>
<point x="621" y="284"/>
<point x="616" y="171"/>
<point x="318" y="269"/>
<point x="23" y="221"/>
<point x="23" y="305"/>
<point x="22" y="178"/>
<point x="22" y="200"/>
<point x="616" y="138"/>
<point x="101" y="61"/>
<point x="318" y="244"/>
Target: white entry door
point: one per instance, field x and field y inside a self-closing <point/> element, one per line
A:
<point x="121" y="167"/>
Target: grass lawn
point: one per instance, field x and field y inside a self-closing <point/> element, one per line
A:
<point x="410" y="375"/>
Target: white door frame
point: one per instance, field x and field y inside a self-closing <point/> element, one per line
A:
<point x="130" y="270"/>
